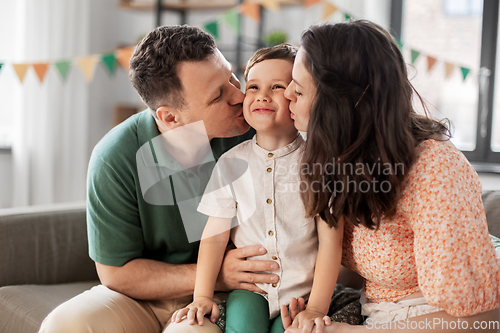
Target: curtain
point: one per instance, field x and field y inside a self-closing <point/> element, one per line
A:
<point x="50" y="144"/>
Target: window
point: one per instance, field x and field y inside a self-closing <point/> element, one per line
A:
<point x="463" y="7"/>
<point x="451" y="48"/>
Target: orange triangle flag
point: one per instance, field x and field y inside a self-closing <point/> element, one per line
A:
<point x="20" y="70"/>
<point x="123" y="56"/>
<point x="251" y="9"/>
<point x="270" y="4"/>
<point x="40" y="70"/>
<point x="309" y="3"/>
<point x="448" y="68"/>
<point x="431" y="61"/>
<point x="87" y="65"/>
<point x="328" y="9"/>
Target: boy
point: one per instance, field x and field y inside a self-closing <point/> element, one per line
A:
<point x="258" y="182"/>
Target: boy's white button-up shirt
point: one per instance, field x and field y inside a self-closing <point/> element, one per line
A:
<point x="261" y="188"/>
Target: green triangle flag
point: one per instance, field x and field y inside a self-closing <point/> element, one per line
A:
<point x="109" y="59"/>
<point x="400" y="44"/>
<point x="232" y="19"/>
<point x="465" y="72"/>
<point x="347" y="17"/>
<point x="414" y="55"/>
<point x="213" y="29"/>
<point x="63" y="67"/>
<point x="1" y="66"/>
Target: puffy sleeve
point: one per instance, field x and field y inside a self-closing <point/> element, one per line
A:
<point x="456" y="262"/>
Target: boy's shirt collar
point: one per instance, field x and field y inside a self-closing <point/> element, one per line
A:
<point x="280" y="152"/>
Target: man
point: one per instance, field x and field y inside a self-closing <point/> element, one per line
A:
<point x="143" y="178"/>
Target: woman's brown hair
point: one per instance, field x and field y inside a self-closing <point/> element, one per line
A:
<point x="362" y="130"/>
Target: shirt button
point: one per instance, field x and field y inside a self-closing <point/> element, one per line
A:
<point x="274" y="257"/>
<point x="274" y="285"/>
<point x="270" y="233"/>
<point x="270" y="155"/>
<point x="269" y="201"/>
<point x="269" y="169"/>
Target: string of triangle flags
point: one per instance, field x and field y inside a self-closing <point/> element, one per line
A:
<point x="87" y="64"/>
<point x="249" y="8"/>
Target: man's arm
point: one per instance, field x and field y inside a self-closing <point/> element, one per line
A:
<point x="151" y="280"/>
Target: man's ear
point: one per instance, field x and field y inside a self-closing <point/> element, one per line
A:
<point x="168" y="116"/>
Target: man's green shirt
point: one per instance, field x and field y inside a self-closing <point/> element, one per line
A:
<point x="126" y="222"/>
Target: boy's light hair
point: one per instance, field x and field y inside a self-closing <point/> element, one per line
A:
<point x="283" y="51"/>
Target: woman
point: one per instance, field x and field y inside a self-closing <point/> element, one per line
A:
<point x="415" y="227"/>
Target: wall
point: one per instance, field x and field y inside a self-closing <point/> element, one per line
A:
<point x="112" y="27"/>
<point x="5" y="179"/>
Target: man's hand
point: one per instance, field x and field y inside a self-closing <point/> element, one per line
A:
<point x="238" y="273"/>
<point x="197" y="311"/>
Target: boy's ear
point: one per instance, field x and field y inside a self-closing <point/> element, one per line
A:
<point x="168" y="116"/>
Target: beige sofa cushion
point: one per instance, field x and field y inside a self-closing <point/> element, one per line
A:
<point x="24" y="307"/>
<point x="491" y="203"/>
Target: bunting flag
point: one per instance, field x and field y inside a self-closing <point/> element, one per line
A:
<point x="400" y="44"/>
<point x="109" y="61"/>
<point x="62" y="67"/>
<point x="448" y="69"/>
<point x="465" y="72"/>
<point x="212" y="28"/>
<point x="309" y="3"/>
<point x="20" y="70"/>
<point x="87" y="65"/>
<point x="251" y="9"/>
<point x="248" y="8"/>
<point x="123" y="57"/>
<point x="270" y="4"/>
<point x="414" y="55"/>
<point x="328" y="10"/>
<point x="232" y="19"/>
<point x="431" y="61"/>
<point x="40" y="70"/>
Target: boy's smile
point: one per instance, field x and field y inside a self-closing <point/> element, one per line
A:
<point x="262" y="110"/>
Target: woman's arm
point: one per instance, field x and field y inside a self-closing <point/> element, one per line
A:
<point x="437" y="322"/>
<point x="212" y="248"/>
<point x="325" y="273"/>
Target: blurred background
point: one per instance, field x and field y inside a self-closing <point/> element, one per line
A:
<point x="64" y="83"/>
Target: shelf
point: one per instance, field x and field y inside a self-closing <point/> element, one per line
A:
<point x="185" y="5"/>
<point x="179" y="5"/>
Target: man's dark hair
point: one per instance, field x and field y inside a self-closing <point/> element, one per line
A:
<point x="153" y="65"/>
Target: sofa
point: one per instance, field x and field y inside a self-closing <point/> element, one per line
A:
<point x="44" y="260"/>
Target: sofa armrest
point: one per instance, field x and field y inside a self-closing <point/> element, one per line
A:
<point x="491" y="203"/>
<point x="44" y="245"/>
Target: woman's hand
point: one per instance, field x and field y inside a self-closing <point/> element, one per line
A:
<point x="309" y="319"/>
<point x="295" y="307"/>
<point x="197" y="310"/>
<point x="332" y="327"/>
<point x="290" y="314"/>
